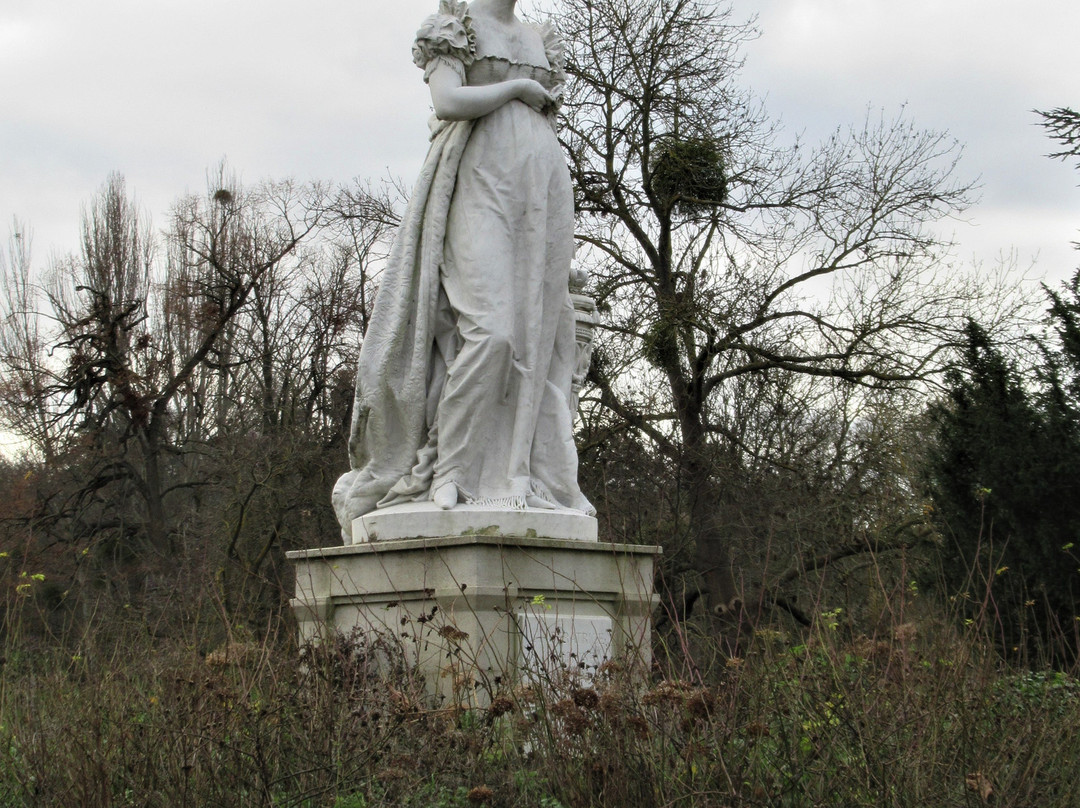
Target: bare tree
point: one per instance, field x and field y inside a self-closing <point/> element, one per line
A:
<point x="723" y="257"/>
<point x="26" y="375"/>
<point x="118" y="392"/>
<point x="186" y="398"/>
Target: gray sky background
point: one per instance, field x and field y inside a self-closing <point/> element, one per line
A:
<point x="161" y="91"/>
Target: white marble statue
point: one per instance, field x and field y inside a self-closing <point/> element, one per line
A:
<point x="464" y="384"/>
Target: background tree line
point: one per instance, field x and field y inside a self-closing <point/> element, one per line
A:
<point x="184" y="398"/>
<point x="775" y="318"/>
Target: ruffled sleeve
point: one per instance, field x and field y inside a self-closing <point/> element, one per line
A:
<point x="555" y="50"/>
<point x="446" y="38"/>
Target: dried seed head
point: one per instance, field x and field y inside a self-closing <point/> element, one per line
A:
<point x="500" y="705"/>
<point x="453" y="633"/>
<point x="586" y="698"/>
<point x="480" y="795"/>
<point x="700" y="703"/>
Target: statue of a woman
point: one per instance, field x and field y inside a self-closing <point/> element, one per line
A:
<point x="463" y="389"/>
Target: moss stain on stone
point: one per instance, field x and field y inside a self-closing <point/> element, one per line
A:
<point x="490" y="530"/>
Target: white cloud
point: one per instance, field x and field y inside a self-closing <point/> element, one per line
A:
<point x="160" y="91"/>
<point x="974" y="68"/>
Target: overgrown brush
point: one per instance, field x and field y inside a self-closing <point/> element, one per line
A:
<point x="920" y="715"/>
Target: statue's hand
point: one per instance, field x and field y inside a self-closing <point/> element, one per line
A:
<point x="533" y="93"/>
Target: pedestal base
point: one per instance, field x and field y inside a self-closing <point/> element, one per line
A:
<point x="426" y="520"/>
<point x="476" y="613"/>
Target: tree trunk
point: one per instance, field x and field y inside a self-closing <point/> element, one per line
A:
<point x="157" y="533"/>
<point x="713" y="560"/>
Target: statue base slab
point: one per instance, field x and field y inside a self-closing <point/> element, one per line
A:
<point x="426" y="520"/>
<point x="478" y="613"/>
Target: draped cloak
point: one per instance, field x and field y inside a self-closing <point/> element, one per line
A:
<point x="399" y="379"/>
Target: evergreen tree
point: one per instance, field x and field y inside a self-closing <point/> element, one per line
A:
<point x="1063" y="125"/>
<point x="1005" y="480"/>
<point x="1005" y="471"/>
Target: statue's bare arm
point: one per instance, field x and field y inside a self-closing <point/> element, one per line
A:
<point x="454" y="101"/>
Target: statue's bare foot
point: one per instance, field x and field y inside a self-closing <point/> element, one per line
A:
<point x="533" y="501"/>
<point x="446" y="496"/>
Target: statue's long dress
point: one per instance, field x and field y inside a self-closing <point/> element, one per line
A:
<point x="497" y="421"/>
<point x="504" y="423"/>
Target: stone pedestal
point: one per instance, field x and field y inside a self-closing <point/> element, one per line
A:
<point x="476" y="610"/>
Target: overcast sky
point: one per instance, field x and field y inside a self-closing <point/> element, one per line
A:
<point x="161" y="90"/>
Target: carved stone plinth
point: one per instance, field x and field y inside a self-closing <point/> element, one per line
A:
<point x="477" y="612"/>
<point x="425" y="520"/>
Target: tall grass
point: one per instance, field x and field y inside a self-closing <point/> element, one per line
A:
<point x="919" y="713"/>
